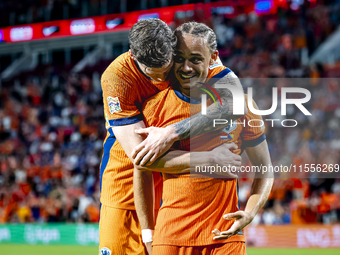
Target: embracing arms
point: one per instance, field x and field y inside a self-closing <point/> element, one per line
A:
<point x="160" y="140"/>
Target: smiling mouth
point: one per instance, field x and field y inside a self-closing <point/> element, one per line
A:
<point x="184" y="77"/>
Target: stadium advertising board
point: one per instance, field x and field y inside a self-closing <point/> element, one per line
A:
<point x="116" y="22"/>
<point x="54" y="29"/>
<point x="124" y="21"/>
<point x="65" y="234"/>
<point x="82" y="26"/>
<point x="293" y="236"/>
<point x="24" y="33"/>
<point x="289" y="236"/>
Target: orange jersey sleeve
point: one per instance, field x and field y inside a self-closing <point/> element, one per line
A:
<point x="125" y="88"/>
<point x="119" y="95"/>
<point x="217" y="70"/>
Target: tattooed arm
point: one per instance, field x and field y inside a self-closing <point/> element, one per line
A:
<point x="160" y="140"/>
<point x="201" y="124"/>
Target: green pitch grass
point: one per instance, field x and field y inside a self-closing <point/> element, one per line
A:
<point x="90" y="250"/>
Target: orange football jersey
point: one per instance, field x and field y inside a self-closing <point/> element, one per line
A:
<point x="193" y="207"/>
<point x="125" y="89"/>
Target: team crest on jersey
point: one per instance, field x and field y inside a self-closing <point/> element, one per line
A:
<point x="105" y="251"/>
<point x="216" y="64"/>
<point x="114" y="105"/>
<point x="230" y="128"/>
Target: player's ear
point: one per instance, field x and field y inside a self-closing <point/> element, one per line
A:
<point x="213" y="57"/>
<point x="131" y="55"/>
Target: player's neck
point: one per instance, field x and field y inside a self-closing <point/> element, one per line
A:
<point x="185" y="92"/>
<point x="193" y="94"/>
<point x="140" y="69"/>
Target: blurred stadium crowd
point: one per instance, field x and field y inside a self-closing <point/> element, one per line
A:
<point x="52" y="124"/>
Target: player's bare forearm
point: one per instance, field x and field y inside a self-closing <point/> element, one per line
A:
<point x="263" y="182"/>
<point x="144" y="198"/>
<point x="200" y="124"/>
<point x="261" y="188"/>
<point x="259" y="195"/>
<point x="127" y="137"/>
<point x="178" y="162"/>
<point x="142" y="181"/>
